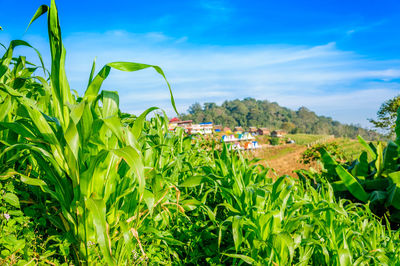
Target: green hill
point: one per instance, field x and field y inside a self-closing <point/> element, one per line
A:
<point x="262" y="113"/>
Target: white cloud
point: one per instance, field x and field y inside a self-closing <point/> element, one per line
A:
<point x="341" y="84"/>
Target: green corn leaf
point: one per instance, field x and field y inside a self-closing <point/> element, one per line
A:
<point x="39" y="12"/>
<point x="345" y="256"/>
<point x="133" y="158"/>
<point x="237" y="232"/>
<point x="7" y="57"/>
<point x="110" y="101"/>
<point x="95" y="85"/>
<point x="98" y="211"/>
<point x="77" y="111"/>
<point x="352" y="184"/>
<point x="192" y="181"/>
<point x="139" y="122"/>
<point x="5" y="107"/>
<point x="245" y="258"/>
<point x="18" y="128"/>
<point x="148" y="197"/>
<point x="92" y="72"/>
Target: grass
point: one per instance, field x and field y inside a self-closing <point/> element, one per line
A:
<point x="304" y="139"/>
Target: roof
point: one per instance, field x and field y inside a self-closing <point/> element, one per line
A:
<point x="175" y="119"/>
<point x="206" y="123"/>
<point x="184" y="122"/>
<point x="263" y="129"/>
<point x="239" y="128"/>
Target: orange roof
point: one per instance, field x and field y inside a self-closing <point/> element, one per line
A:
<point x="175" y="119"/>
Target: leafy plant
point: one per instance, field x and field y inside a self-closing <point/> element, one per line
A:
<point x="274" y="141"/>
<point x="312" y="153"/>
<point x="375" y="181"/>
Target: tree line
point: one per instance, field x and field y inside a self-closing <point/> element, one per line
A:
<point x="262" y="113"/>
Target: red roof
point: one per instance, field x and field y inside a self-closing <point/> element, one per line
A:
<point x="175" y="119"/>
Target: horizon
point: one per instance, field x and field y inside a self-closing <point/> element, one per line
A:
<point x="343" y="67"/>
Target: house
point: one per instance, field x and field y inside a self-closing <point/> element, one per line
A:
<point x="278" y="133"/>
<point x="263" y="131"/>
<point x="217" y="128"/>
<point x="227" y="130"/>
<point x="238" y="130"/>
<point x="186" y="125"/>
<point x="196" y="129"/>
<point x="252" y="130"/>
<point x="176" y="122"/>
<point x="246" y="136"/>
<point x="173" y="123"/>
<point x="229" y="138"/>
<point x="207" y="127"/>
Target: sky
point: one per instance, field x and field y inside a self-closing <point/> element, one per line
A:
<point x="337" y="58"/>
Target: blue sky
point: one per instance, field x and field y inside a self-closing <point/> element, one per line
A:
<point x="338" y="58"/>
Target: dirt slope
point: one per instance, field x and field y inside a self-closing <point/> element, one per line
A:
<point x="283" y="159"/>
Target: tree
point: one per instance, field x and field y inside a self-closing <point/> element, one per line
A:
<point x="387" y="115"/>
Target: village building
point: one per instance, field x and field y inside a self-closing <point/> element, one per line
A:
<point x="253" y="130"/>
<point x="217" y="128"/>
<point x="238" y="130"/>
<point x="263" y="131"/>
<point x="246" y="136"/>
<point x="173" y="123"/>
<point x="207" y="127"/>
<point x="227" y="130"/>
<point x="229" y="138"/>
<point x="196" y="129"/>
<point x="278" y="133"/>
<point x="176" y="122"/>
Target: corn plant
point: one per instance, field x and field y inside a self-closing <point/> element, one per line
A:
<point x="260" y="221"/>
<point x="78" y="151"/>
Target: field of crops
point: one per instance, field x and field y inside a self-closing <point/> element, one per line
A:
<point x="83" y="183"/>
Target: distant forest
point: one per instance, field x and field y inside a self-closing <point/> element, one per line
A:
<point x="251" y="112"/>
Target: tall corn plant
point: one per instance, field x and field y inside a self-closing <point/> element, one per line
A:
<point x="79" y="152"/>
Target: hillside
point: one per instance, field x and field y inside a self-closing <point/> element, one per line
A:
<point x="262" y="113"/>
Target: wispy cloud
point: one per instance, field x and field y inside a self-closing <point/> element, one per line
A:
<point x="329" y="81"/>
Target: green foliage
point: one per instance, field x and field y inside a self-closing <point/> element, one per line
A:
<point x="274" y="141"/>
<point x="251" y="112"/>
<point x="387" y="115"/>
<point x="23" y="228"/>
<point x="312" y="153"/>
<point x="368" y="180"/>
